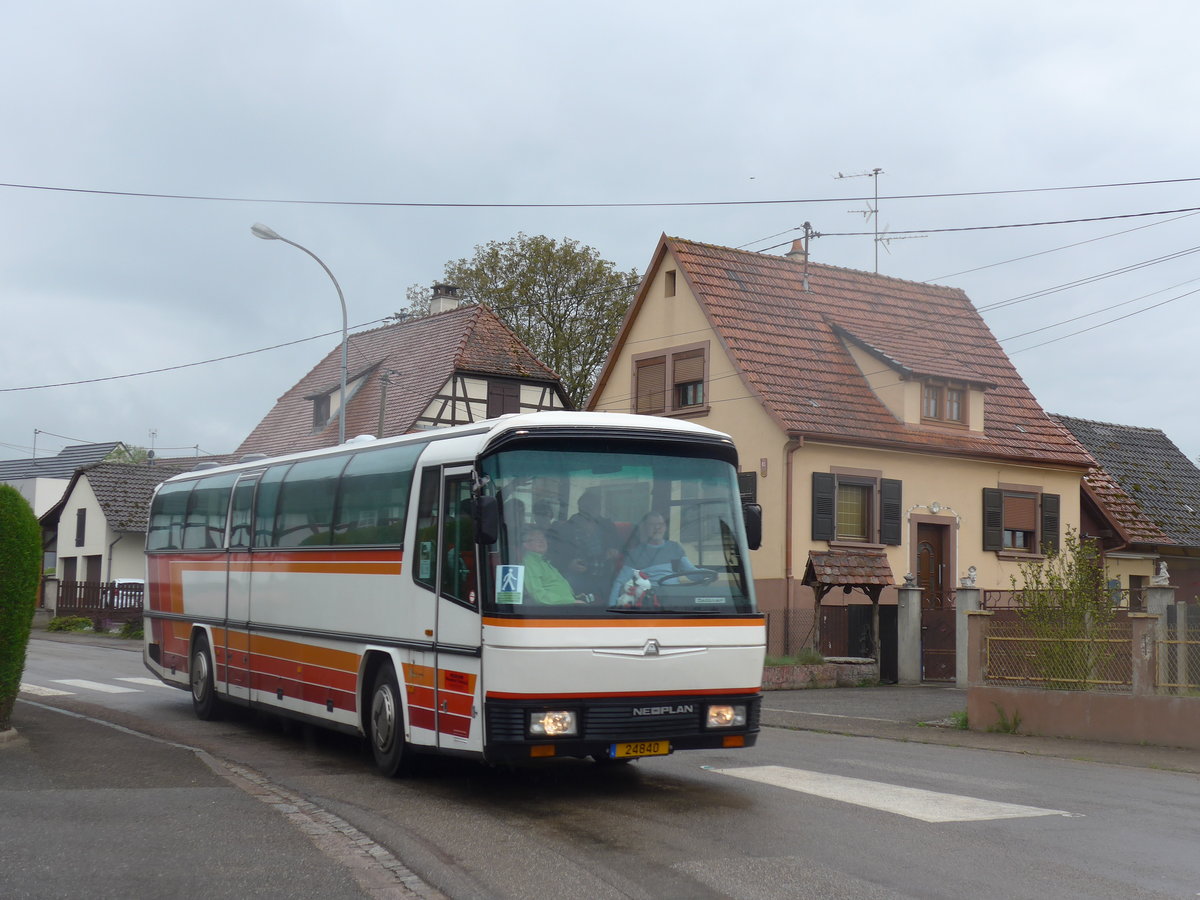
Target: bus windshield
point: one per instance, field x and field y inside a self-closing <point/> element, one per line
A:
<point x="609" y="531"/>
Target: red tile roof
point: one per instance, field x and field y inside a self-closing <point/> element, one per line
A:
<point x="785" y="339"/>
<point x="419" y="356"/>
<point x="848" y="567"/>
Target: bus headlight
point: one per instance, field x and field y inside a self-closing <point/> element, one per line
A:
<point x="553" y="723"/>
<point x="726" y="715"/>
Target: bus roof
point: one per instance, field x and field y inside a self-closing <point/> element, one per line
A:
<point x="491" y="431"/>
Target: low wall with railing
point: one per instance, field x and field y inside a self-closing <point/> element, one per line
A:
<point x="1135" y="681"/>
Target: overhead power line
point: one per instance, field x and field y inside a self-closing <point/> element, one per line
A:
<point x="202" y="362"/>
<point x="636" y="204"/>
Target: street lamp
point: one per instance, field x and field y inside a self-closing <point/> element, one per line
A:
<point x="262" y="231"/>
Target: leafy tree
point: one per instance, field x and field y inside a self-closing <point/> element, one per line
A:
<point x="562" y="299"/>
<point x="20" y="565"/>
<point x="1066" y="605"/>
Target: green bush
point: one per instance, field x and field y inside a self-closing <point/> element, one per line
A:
<point x="20" y="567"/>
<point x="132" y="630"/>
<point x="807" y="657"/>
<point x="69" y="623"/>
<point x="1065" y="604"/>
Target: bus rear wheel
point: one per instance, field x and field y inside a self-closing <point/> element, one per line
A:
<point x="385" y="729"/>
<point x="204" y="697"/>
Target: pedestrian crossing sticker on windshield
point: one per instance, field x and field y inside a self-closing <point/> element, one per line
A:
<point x="510" y="584"/>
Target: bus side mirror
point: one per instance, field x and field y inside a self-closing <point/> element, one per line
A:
<point x="487" y="520"/>
<point x="752" y="517"/>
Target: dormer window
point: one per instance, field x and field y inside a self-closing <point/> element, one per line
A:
<point x="943" y="403"/>
<point x="320" y="416"/>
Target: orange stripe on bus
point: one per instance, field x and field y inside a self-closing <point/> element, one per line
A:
<point x="420" y="675"/>
<point x="293" y="651"/>
<point x="508" y="695"/>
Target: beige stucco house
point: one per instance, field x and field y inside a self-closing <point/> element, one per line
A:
<point x="879" y="424"/>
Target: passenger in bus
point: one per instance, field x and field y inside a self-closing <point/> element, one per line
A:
<point x="543" y="582"/>
<point x="590" y="547"/>
<point x="651" y="554"/>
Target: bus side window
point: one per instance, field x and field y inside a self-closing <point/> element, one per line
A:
<point x="167" y="516"/>
<point x="425" y="570"/>
<point x="264" y="506"/>
<point x="239" y="513"/>
<point x="204" y="526"/>
<point x="373" y="497"/>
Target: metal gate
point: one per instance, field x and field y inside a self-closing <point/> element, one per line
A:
<point x="938" y="630"/>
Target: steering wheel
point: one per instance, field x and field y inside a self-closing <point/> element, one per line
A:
<point x="693" y="576"/>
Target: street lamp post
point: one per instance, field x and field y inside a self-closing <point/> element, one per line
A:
<point x="262" y="231"/>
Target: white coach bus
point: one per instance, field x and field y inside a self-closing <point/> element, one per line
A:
<point x="484" y="590"/>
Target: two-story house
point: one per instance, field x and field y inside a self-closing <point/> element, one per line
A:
<point x="879" y="423"/>
<point x="455" y="366"/>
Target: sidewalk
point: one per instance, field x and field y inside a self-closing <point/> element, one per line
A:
<point x="921" y="714"/>
<point x="93" y="809"/>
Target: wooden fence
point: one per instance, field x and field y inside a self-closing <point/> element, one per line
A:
<point x="110" y="602"/>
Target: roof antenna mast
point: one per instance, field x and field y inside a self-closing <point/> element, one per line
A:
<point x="872" y="211"/>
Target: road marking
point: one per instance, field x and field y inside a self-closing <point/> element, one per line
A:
<point x="148" y="682"/>
<point x="96" y="686"/>
<point x="915" y="803"/>
<point x="39" y="691"/>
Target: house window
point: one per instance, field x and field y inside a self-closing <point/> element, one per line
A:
<point x="853" y="512"/>
<point x="943" y="403"/>
<point x="856" y="508"/>
<point x="669" y="283"/>
<point x="672" y="382"/>
<point x="80" y="526"/>
<point x="688" y="371"/>
<point x="1024" y="521"/>
<point x="320" y="417"/>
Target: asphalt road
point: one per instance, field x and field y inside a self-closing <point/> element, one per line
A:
<point x="844" y="797"/>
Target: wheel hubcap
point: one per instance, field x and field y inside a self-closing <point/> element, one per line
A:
<point x="199" y="675"/>
<point x="383" y="717"/>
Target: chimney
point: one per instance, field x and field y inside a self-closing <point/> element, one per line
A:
<point x="445" y="298"/>
<point x="798" y="253"/>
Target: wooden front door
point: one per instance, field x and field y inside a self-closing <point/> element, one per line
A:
<point x="937" y="604"/>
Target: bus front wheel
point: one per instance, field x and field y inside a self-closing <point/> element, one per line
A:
<point x="386" y="726"/>
<point x="204" y="698"/>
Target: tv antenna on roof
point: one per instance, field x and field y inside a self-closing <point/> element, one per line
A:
<point x="872" y="210"/>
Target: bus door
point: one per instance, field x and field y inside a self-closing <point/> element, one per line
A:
<point x="446" y="565"/>
<point x="235" y="648"/>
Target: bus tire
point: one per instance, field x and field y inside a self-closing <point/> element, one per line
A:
<point x="386" y="723"/>
<point x="204" y="696"/>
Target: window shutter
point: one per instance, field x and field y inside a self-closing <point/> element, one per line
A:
<point x="993" y="519"/>
<point x="890" y="511"/>
<point x="651" y="386"/>
<point x="824" y="508"/>
<point x="689" y="367"/>
<point x="1020" y="513"/>
<point x="1050" y="522"/>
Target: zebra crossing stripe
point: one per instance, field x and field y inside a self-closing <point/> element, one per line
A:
<point x="38" y="691"/>
<point x="96" y="686"/>
<point x="915" y="803"/>
<point x="147" y="682"/>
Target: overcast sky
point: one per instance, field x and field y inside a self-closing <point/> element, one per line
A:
<point x="263" y="107"/>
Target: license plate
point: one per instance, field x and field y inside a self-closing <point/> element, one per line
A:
<point x="639" y="748"/>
